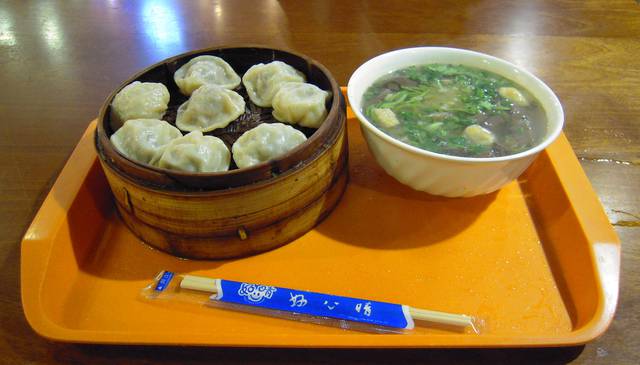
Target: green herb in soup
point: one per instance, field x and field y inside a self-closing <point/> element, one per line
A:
<point x="455" y="110"/>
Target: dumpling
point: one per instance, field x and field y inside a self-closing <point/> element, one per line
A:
<point x="265" y="142"/>
<point x="300" y="103"/>
<point x="208" y="108"/>
<point x="263" y="81"/>
<point x="142" y="139"/>
<point x="194" y="153"/>
<point x="205" y="70"/>
<point x="139" y="100"/>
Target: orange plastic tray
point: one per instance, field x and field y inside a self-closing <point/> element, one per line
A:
<point x="538" y="261"/>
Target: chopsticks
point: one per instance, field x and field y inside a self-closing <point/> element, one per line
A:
<point x="209" y="285"/>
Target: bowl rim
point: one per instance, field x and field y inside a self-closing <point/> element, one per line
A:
<point x="359" y="74"/>
<point x="103" y="141"/>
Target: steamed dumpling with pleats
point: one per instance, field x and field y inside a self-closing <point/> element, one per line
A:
<point x="263" y="81"/>
<point x="300" y="103"/>
<point x="142" y="139"/>
<point x="205" y="70"/>
<point x="139" y="100"/>
<point x="209" y="107"/>
<point x="265" y="142"/>
<point x="194" y="153"/>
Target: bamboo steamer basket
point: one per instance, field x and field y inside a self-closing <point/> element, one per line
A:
<point x="242" y="211"/>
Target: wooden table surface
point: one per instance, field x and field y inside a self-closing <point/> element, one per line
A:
<point x="60" y="59"/>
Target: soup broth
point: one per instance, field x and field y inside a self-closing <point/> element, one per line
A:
<point x="455" y="110"/>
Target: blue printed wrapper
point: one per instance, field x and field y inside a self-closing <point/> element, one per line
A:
<point x="314" y="304"/>
<point x="163" y="281"/>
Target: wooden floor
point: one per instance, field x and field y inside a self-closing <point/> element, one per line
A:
<point x="60" y="59"/>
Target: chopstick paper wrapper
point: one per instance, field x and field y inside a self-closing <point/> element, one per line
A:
<point x="344" y="312"/>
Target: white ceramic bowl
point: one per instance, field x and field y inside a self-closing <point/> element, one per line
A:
<point x="437" y="173"/>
